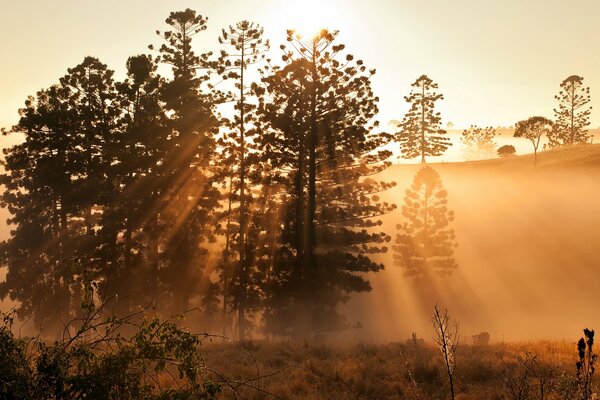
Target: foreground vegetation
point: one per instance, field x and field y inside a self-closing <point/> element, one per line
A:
<point x="142" y="357"/>
<point x="411" y="370"/>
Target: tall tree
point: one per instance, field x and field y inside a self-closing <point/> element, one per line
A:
<point x="188" y="206"/>
<point x="573" y="113"/>
<point x="247" y="47"/>
<point x="56" y="188"/>
<point x="420" y="131"/>
<point x="129" y="220"/>
<point x="425" y="244"/>
<point x="534" y="129"/>
<point x="478" y="142"/>
<point x="318" y="133"/>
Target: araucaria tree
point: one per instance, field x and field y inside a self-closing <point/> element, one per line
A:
<point x="534" y="129"/>
<point x="425" y="244"/>
<point x="421" y="132"/>
<point x="246" y="48"/>
<point x="573" y="113"/>
<point x="191" y="196"/>
<point x="317" y="130"/>
<point x="478" y="142"/>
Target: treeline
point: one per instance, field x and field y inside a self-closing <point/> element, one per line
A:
<point x="240" y="186"/>
<point x="140" y="191"/>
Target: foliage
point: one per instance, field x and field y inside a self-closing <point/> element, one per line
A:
<point x="425" y="244"/>
<point x="99" y="362"/>
<point x="420" y="131"/>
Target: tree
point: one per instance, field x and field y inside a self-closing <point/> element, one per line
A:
<point x="317" y="131"/>
<point x="191" y="198"/>
<point x="425" y="244"/>
<point x="246" y="40"/>
<point x="534" y="129"/>
<point x="573" y="113"/>
<point x="420" y="131"/>
<point x="478" y="142"/>
<point x="56" y="188"/>
<point x="508" y="150"/>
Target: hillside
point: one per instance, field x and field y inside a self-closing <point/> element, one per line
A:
<point x="527" y="251"/>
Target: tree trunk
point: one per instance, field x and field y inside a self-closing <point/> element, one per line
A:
<point x="242" y="265"/>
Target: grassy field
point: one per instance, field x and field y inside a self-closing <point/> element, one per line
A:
<point x="395" y="371"/>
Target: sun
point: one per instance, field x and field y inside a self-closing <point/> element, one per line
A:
<point x="306" y="17"/>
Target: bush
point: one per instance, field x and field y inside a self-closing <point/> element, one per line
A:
<point x="159" y="361"/>
<point x="507" y="151"/>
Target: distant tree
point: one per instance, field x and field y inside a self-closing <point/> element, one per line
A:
<point x="534" y="129"/>
<point x="573" y="113"/>
<point x="420" y="131"/>
<point x="478" y="142"/>
<point x="425" y="244"/>
<point x="508" y="150"/>
<point x="247" y="47"/>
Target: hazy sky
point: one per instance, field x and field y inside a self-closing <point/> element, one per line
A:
<point x="495" y="61"/>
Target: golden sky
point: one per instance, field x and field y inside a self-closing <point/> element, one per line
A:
<point x="495" y="61"/>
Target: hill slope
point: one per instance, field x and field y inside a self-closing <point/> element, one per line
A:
<point x="528" y="241"/>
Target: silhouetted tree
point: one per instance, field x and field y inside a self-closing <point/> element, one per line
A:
<point x="573" y="113"/>
<point x="534" y="129"/>
<point x="248" y="46"/>
<point x="446" y="338"/>
<point x="420" y="131"/>
<point x="55" y="189"/>
<point x="508" y="150"/>
<point x="478" y="142"/>
<point x="425" y="243"/>
<point x="317" y="132"/>
<point x="188" y="207"/>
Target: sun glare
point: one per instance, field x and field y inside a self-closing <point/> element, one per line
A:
<point x="308" y="17"/>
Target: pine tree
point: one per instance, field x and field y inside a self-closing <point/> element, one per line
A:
<point x="56" y="188"/>
<point x="248" y="47"/>
<point x="318" y="135"/>
<point x="478" y="142"/>
<point x="188" y="205"/>
<point x="425" y="244"/>
<point x="420" y="131"/>
<point x="534" y="129"/>
<point x="573" y="113"/>
<point x="135" y="175"/>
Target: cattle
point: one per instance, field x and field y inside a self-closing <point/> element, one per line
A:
<point x="481" y="339"/>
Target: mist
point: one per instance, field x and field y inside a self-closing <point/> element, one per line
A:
<point x="527" y="251"/>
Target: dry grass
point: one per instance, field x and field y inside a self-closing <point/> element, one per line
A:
<point x="368" y="371"/>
